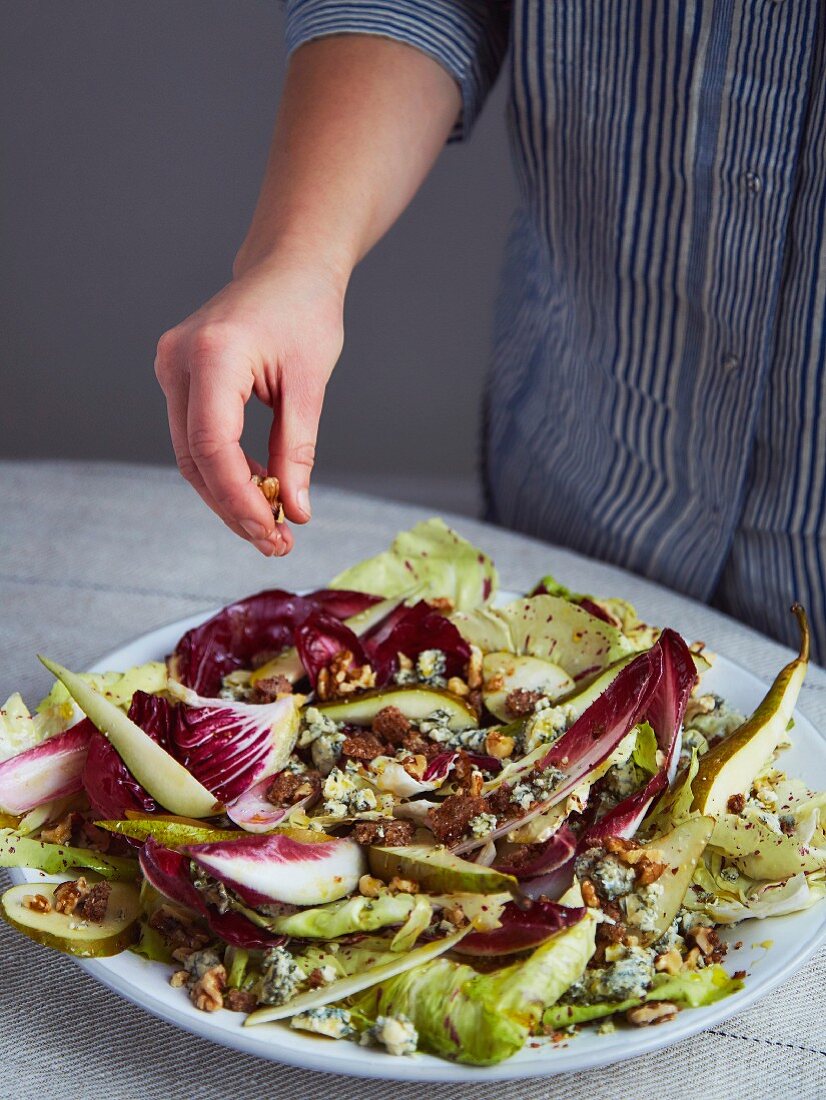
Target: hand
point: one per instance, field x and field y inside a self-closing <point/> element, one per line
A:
<point x="276" y="331"/>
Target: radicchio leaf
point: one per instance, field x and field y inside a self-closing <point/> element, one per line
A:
<point x="665" y="709"/>
<point x="259" y="625"/>
<point x="321" y="638"/>
<point x="540" y="859"/>
<point x="168" y="872"/>
<point x="110" y="786"/>
<point x="521" y="929"/>
<point x="254" y="812"/>
<point x="53" y="769"/>
<point x="411" y="630"/>
<point x="590" y="740"/>
<point x="230" y="746"/>
<point x="279" y="867"/>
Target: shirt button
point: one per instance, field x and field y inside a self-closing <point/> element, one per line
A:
<point x="730" y="363"/>
<point x="752" y="182"/>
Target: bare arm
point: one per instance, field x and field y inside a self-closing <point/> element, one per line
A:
<point x="361" y="122"/>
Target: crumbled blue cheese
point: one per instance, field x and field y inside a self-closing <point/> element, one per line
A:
<point x="199" y="962"/>
<point x="431" y="667"/>
<point x="689" y="920"/>
<point x="436" y="726"/>
<point x="714" y="718"/>
<point x="642" y="908"/>
<point x="535" y="786"/>
<point x="670" y="938"/>
<point x="547" y="724"/>
<point x="346" y="796"/>
<point x="612" y="878"/>
<point x="327" y="1020"/>
<point x="325" y="738"/>
<point x="281" y="978"/>
<point x="482" y="824"/>
<point x="630" y="976"/>
<point x="396" y="1034"/>
<point x="622" y="780"/>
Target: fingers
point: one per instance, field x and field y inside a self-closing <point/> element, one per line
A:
<point x="215" y="419"/>
<point x="293" y="443"/>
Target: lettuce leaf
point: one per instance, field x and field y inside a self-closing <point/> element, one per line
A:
<point x="689" y="989"/>
<point x="482" y="1019"/>
<point x="56" y="859"/>
<point x="430" y="559"/>
<point x="548" y="627"/>
<point x="726" y="896"/>
<point x="20" y="730"/>
<point x="340" y="918"/>
<point x="118" y="687"/>
<point x="617" y="612"/>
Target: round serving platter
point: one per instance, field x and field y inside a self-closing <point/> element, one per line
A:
<point x="773" y="949"/>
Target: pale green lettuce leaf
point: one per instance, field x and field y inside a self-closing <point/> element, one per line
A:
<point x="547" y="627"/>
<point x="621" y="612"/>
<point x="55" y="859"/>
<point x="690" y="989"/>
<point x="477" y="1018"/>
<point x="674" y="806"/>
<point x="727" y="897"/>
<point x="117" y="687"/>
<point x="20" y="730"/>
<point x="430" y="560"/>
<point x="759" y="850"/>
<point x="356" y="914"/>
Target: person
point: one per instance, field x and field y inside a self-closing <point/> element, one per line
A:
<point x="658" y="383"/>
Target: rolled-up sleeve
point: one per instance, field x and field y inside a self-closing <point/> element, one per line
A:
<point x="468" y="37"/>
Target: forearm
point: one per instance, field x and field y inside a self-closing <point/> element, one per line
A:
<point x="361" y="121"/>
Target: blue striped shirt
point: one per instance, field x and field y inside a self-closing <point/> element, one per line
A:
<point x="658" y="390"/>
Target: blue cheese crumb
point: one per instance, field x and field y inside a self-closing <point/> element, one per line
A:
<point x="328" y="1020"/>
<point x="482" y="824"/>
<point x="395" y="1033"/>
<point x="281" y="978"/>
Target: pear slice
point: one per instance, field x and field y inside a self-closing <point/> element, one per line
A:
<point x="153" y="767"/>
<point x="505" y="672"/>
<point x="680" y="850"/>
<point x="415" y="703"/>
<point x="438" y="871"/>
<point x="69" y="933"/>
<point x="730" y="767"/>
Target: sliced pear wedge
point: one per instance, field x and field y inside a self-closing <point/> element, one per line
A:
<point x="415" y="703"/>
<point x="506" y="672"/>
<point x="153" y="767"/>
<point x="438" y="871"/>
<point x="680" y="850"/>
<point x="67" y="932"/>
<point x="730" y="767"/>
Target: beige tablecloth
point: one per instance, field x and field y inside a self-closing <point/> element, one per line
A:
<point x="91" y="556"/>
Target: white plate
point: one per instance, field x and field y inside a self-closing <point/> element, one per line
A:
<point x="794" y="939"/>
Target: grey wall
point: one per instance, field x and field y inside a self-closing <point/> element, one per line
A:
<point x="133" y="139"/>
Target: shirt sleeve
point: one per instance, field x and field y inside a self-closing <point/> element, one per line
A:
<point x="468" y="37"/>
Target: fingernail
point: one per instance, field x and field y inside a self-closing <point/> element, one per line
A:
<point x="265" y="546"/>
<point x="256" y="531"/>
<point x="303" y="499"/>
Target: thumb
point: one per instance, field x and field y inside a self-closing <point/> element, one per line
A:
<point x="293" y="444"/>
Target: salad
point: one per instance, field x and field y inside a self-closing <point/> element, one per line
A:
<point x="397" y="812"/>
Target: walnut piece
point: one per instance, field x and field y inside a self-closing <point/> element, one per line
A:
<point x="343" y="677"/>
<point x="669" y="963"/>
<point x="589" y="894"/>
<point x="370" y="887"/>
<point x="271" y="489"/>
<point x="499" y="745"/>
<point x="403" y="885"/>
<point x="38" y="903"/>
<point x="653" y="1012"/>
<point x="60" y="832"/>
<point x="179" y="978"/>
<point x="68" y="894"/>
<point x="207" y="993"/>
